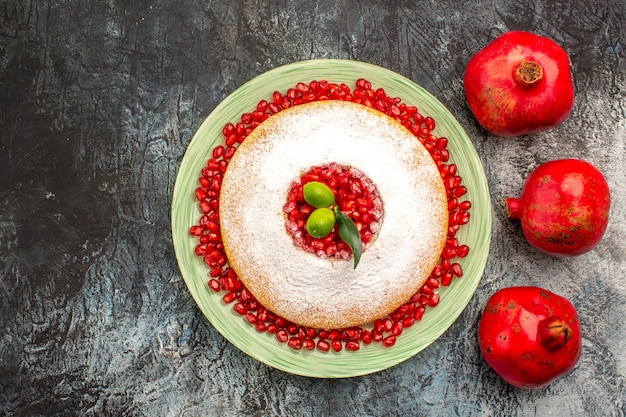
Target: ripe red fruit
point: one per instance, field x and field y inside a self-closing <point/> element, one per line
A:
<point x="518" y="84"/>
<point x="529" y="336"/>
<point x="564" y="207"/>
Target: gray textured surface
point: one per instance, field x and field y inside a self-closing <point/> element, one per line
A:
<point x="98" y="103"/>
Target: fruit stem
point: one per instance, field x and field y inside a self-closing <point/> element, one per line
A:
<point x="512" y="208"/>
<point x="529" y="73"/>
<point x="554" y="333"/>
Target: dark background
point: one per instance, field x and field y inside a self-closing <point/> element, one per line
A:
<point x="98" y="103"/>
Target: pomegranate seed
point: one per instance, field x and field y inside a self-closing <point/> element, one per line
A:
<point x="259" y="116"/>
<point x="240" y="309"/>
<point x="240" y="129"/>
<point x="445" y="264"/>
<point x="200" y="194"/>
<point x="352" y="346"/>
<point x="204" y="182"/>
<point x="262" y="315"/>
<point x="282" y="335"/>
<point x="396" y="315"/>
<point x="419" y="313"/>
<point x="462" y="251"/>
<point x="363" y="84"/>
<point x="376" y="336"/>
<point x="218" y="152"/>
<point x="336" y="345"/>
<point x="366" y="337"/>
<point x="251" y="317"/>
<point x="396" y="330"/>
<point x="432" y="282"/>
<point x="408" y="322"/>
<point x="212" y="165"/>
<point x="196" y="230"/>
<point x="271" y="317"/>
<point x="273" y="108"/>
<point x="301" y="333"/>
<point x="292" y="329"/>
<point x="437" y="271"/>
<point x="389" y="341"/>
<point x="228" y="129"/>
<point x="245" y="296"/>
<point x="407" y="309"/>
<point x="323" y="345"/>
<point x="352" y="334"/>
<point x="205" y="207"/>
<point x="292" y="93"/>
<point x="214" y="285"/>
<point x="230" y="151"/>
<point x="387" y="324"/>
<point x="335" y="335"/>
<point x="442" y="143"/>
<point x="246" y="118"/>
<point x="448" y="253"/>
<point x="295" y="343"/>
<point x="433" y="300"/>
<point x="230" y="283"/>
<point x="214" y="237"/>
<point x="378" y="326"/>
<point x="465" y="205"/>
<point x="231" y="140"/>
<point x="230" y="297"/>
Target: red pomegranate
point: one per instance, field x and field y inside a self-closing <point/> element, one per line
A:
<point x="564" y="207"/>
<point x="520" y="83"/>
<point x="529" y="336"/>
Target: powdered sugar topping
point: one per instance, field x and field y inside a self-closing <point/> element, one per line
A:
<point x="300" y="286"/>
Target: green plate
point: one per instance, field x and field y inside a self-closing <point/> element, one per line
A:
<point x="263" y="346"/>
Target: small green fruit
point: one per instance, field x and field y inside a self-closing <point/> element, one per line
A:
<point x="320" y="222"/>
<point x="318" y="194"/>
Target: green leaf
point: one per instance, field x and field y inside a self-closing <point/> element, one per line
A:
<point x="349" y="234"/>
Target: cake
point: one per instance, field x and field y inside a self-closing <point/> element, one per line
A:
<point x="325" y="292"/>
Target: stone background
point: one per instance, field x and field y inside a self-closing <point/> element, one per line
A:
<point x="98" y="103"/>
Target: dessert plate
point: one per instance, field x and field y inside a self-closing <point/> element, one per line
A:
<point x="264" y="346"/>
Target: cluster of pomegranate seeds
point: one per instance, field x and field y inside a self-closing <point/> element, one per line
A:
<point x="356" y="197"/>
<point x="224" y="279"/>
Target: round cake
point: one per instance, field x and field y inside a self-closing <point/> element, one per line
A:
<point x="300" y="286"/>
